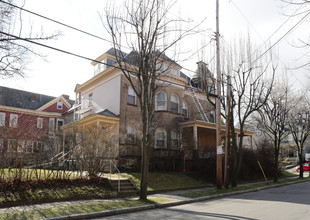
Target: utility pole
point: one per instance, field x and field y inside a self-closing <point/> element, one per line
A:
<point x="219" y="150"/>
<point x="227" y="135"/>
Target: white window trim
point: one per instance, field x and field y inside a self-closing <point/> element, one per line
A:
<point x="178" y="102"/>
<point x="134" y="94"/>
<point x="156" y="105"/>
<point x="177" y="138"/>
<point x="1" y="145"/>
<point x="11" y="122"/>
<point x="185" y="104"/>
<point x="49" y="125"/>
<point x="165" y="144"/>
<point x="40" y="123"/>
<point x="63" y="122"/>
<point x="2" y="117"/>
<point x="134" y="134"/>
<point x="61" y="105"/>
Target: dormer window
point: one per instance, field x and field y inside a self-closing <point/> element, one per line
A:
<point x="103" y="65"/>
<point x="175" y="72"/>
<point x="59" y="105"/>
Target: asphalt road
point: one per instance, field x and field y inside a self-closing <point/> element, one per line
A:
<point x="286" y="202"/>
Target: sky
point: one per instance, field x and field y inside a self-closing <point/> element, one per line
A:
<point x="58" y="73"/>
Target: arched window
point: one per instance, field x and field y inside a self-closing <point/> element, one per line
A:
<point x="160" y="138"/>
<point x="212" y="118"/>
<point x="185" y="109"/>
<point x="174" y="104"/>
<point x="161" y="102"/>
<point x="174" y="140"/>
<point x="131" y="135"/>
<point x="131" y="96"/>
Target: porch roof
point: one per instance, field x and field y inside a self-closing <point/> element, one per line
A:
<point x="211" y="126"/>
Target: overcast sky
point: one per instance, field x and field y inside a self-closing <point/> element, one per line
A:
<point x="60" y="72"/>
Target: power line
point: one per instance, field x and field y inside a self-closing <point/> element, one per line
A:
<point x="57" y="22"/>
<point x="90" y="59"/>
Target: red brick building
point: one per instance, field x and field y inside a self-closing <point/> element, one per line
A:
<point x="29" y="122"/>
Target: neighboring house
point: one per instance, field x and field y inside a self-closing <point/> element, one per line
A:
<point x="184" y="118"/>
<point x="29" y="122"/>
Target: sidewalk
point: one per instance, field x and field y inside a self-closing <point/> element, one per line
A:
<point x="170" y="195"/>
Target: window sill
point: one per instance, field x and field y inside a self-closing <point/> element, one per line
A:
<point x="135" y="105"/>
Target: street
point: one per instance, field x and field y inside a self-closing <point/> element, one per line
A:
<point x="287" y="202"/>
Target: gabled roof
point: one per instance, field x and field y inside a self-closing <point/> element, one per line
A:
<point x="107" y="112"/>
<point x="133" y="58"/>
<point x="23" y="99"/>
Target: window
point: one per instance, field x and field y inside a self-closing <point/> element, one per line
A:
<point x="59" y="105"/>
<point x="13" y="120"/>
<point x="174" y="140"/>
<point x="90" y="99"/>
<point x="160" y="138"/>
<point x="2" y="119"/>
<point x="78" y="98"/>
<point x="51" y="126"/>
<point x="175" y="72"/>
<point x="39" y="122"/>
<point x="131" y="96"/>
<point x="131" y="137"/>
<point x="185" y="109"/>
<point x="1" y="145"/>
<point x="212" y="118"/>
<point x="12" y="145"/>
<point x="174" y="104"/>
<point x="29" y="146"/>
<point x="60" y="122"/>
<point x="161" y="102"/>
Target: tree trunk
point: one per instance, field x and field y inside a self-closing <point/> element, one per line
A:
<point x="276" y="160"/>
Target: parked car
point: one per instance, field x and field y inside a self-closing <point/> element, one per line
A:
<point x="305" y="166"/>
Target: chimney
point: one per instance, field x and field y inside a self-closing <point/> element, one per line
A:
<point x="33" y="97"/>
<point x="66" y="96"/>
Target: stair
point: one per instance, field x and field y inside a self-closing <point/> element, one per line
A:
<point x="126" y="187"/>
<point x="197" y="104"/>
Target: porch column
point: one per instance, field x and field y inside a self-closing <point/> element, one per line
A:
<point x="195" y="137"/>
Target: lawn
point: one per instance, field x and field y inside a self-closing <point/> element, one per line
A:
<point x="40" y="190"/>
<point x="163" y="181"/>
<point x="69" y="210"/>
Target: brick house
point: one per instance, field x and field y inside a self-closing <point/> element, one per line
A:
<point x="184" y="117"/>
<point x="29" y="122"/>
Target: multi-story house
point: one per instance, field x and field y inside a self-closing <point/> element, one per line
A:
<point x="184" y="115"/>
<point x="29" y="123"/>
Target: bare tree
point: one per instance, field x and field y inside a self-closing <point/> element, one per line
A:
<point x="273" y="119"/>
<point x="93" y="147"/>
<point x="299" y="124"/>
<point x="145" y="28"/>
<point x="252" y="80"/>
<point x="14" y="56"/>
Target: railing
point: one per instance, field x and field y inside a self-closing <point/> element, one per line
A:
<point x="118" y="173"/>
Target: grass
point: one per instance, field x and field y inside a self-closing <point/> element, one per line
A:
<point x="69" y="210"/>
<point x="56" y="194"/>
<point x="163" y="181"/>
<point x="213" y="191"/>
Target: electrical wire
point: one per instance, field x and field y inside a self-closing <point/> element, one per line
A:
<point x="92" y="60"/>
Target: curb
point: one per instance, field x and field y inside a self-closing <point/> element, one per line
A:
<point x="164" y="205"/>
